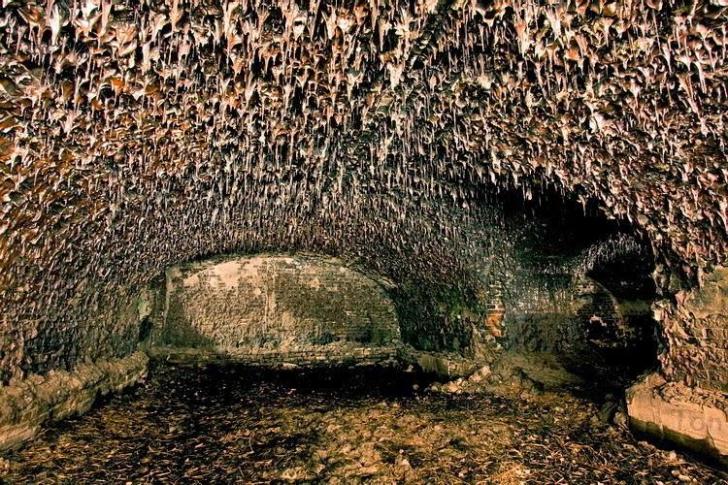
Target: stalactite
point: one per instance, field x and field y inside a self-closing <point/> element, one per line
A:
<point x="323" y="114"/>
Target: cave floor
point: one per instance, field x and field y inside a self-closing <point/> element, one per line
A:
<point x="213" y="425"/>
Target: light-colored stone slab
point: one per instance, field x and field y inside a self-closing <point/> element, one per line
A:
<point x="690" y="417"/>
<point x="33" y="402"/>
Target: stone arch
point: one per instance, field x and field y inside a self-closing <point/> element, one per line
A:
<point x="300" y="309"/>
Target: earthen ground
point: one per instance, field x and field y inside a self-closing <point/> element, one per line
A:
<point x="232" y="425"/>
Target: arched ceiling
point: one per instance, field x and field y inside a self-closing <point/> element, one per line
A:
<point x="134" y="134"/>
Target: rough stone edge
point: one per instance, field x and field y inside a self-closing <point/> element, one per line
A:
<point x="300" y="358"/>
<point x="693" y="418"/>
<point x="38" y="400"/>
<point x="444" y="365"/>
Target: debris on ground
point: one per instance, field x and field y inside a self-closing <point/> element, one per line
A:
<point x="237" y="425"/>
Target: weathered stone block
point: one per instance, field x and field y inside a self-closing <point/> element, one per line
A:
<point x="695" y="332"/>
<point x="27" y="405"/>
<point x="691" y="417"/>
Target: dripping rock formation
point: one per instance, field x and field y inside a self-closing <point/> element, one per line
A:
<point x="490" y="176"/>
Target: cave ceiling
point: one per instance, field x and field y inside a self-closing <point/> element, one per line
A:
<point x="135" y="134"/>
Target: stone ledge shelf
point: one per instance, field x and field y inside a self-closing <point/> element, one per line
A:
<point x="299" y="358"/>
<point x="446" y="366"/>
<point x="694" y="418"/>
<point x="39" y="400"/>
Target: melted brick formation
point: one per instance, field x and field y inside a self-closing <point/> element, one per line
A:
<point x="138" y="134"/>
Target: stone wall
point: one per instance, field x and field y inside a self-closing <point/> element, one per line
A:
<point x="30" y="403"/>
<point x="322" y="356"/>
<point x="592" y="331"/>
<point x="570" y="285"/>
<point x="686" y="402"/>
<point x="695" y="327"/>
<point x="275" y="303"/>
<point x="88" y="327"/>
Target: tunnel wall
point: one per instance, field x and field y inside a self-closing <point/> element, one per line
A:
<point x="29" y="404"/>
<point x="86" y="329"/>
<point x="592" y="331"/>
<point x="280" y="304"/>
<point x="552" y="281"/>
<point x="695" y="327"/>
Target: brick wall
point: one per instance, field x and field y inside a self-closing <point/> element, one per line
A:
<point x="585" y="325"/>
<point x="274" y="303"/>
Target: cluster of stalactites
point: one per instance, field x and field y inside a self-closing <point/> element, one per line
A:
<point x="137" y="133"/>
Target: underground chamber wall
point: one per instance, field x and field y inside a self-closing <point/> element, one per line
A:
<point x="219" y="412"/>
<point x="135" y="135"/>
<point x="581" y="288"/>
<point x="549" y="277"/>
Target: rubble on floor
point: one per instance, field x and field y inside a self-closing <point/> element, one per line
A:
<point x="522" y="375"/>
<point x="241" y="425"/>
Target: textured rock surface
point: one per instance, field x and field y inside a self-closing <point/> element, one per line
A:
<point x="135" y="135"/>
<point x="311" y="358"/>
<point x="27" y="405"/>
<point x="275" y="303"/>
<point x="108" y="328"/>
<point x="696" y="330"/>
<point x="694" y="418"/>
<point x="590" y="329"/>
